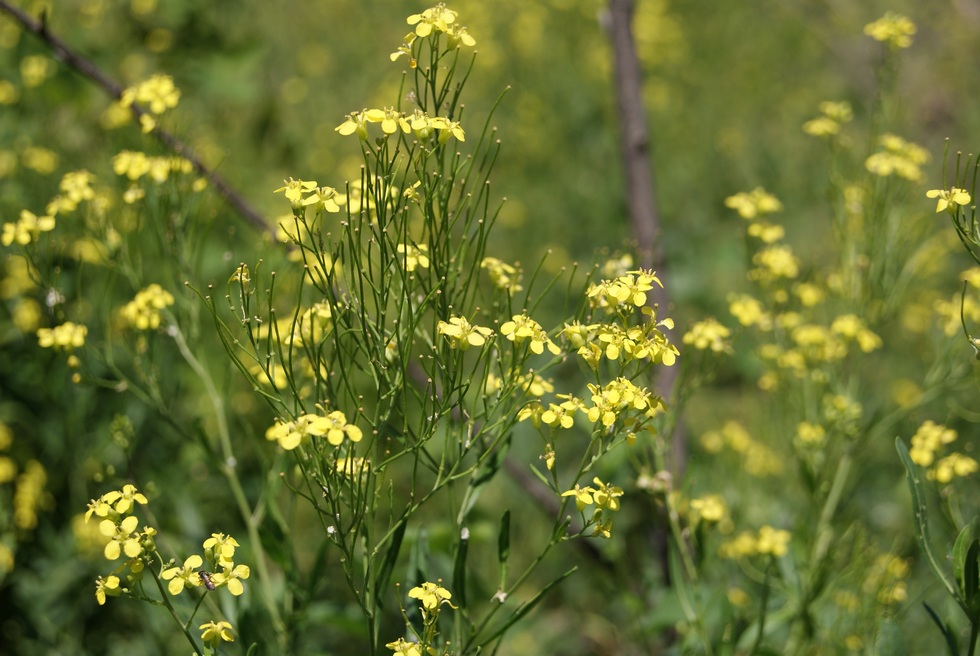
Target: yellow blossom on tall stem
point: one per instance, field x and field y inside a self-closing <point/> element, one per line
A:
<point x="462" y="334"/>
<point x="950" y="200"/>
<point x="214" y="633"/>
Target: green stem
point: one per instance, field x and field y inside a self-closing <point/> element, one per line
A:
<point x="228" y="469"/>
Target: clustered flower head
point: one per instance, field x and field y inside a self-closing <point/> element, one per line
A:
<point x="605" y="497"/>
<point x="710" y="509"/>
<point x="832" y="116"/>
<point x="418" y="123"/>
<point x="894" y="29"/>
<point x="119" y="526"/>
<point x="949" y="200"/>
<point x="754" y="456"/>
<point x="522" y="328"/>
<point x="304" y="193"/>
<point x="709" y="335"/>
<point x="627" y="290"/>
<point x="928" y="440"/>
<point x="144" y="312"/>
<point x="333" y="426"/>
<point x="135" y="164"/>
<point x="26" y="229"/>
<point x="219" y="553"/>
<point x="66" y="337"/>
<point x="885" y="579"/>
<point x="753" y="204"/>
<point x="462" y="334"/>
<point x="431" y="23"/>
<point x="502" y="275"/>
<point x="899" y="157"/>
<point x="768" y="541"/>
<point x="157" y="94"/>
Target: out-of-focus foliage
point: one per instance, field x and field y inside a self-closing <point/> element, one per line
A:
<point x="263" y="86"/>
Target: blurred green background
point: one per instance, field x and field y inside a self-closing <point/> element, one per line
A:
<point x="727" y="87"/>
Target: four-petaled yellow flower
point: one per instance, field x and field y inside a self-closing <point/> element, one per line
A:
<point x="107" y="587"/>
<point x="949" y="200"/>
<point x="462" y="334"/>
<point x="122" y="537"/>
<point x="432" y="595"/>
<point x="521" y="327"/>
<point x="414" y="256"/>
<point x="214" y="633"/>
<point x="183" y="576"/>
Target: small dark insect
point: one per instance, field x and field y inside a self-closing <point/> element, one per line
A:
<point x="206" y="580"/>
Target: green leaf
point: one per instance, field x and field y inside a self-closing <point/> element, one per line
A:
<point x="946" y="630"/>
<point x="483" y="475"/>
<point x="919" y="512"/>
<point x="960" y="548"/>
<point x="459" y="567"/>
<point x="503" y="549"/>
<point x="388" y="564"/>
<point x="971" y="577"/>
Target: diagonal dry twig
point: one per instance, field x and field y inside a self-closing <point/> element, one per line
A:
<point x="88" y="69"/>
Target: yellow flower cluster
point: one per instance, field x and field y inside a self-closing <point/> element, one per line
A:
<point x="75" y="187"/>
<point x="119" y="525"/>
<point x="710" y="509"/>
<point x="333" y="426"/>
<point x="709" y="335"/>
<point x="832" y="116"/>
<point x="757" y="459"/>
<point x="214" y="633"/>
<point x="628" y="290"/>
<point x="522" y="328"/>
<point x="26" y="229"/>
<point x="157" y="94"/>
<point x="219" y="552"/>
<point x="502" y="275"/>
<point x="885" y="579"/>
<point x="605" y="497"/>
<point x="894" y="29"/>
<point x="753" y="204"/>
<point x="617" y="398"/>
<point x="768" y="541"/>
<point x="66" y="337"/>
<point x="135" y="164"/>
<point x="433" y="22"/>
<point x="29" y="495"/>
<point x="897" y="157"/>
<point x="418" y="123"/>
<point x="555" y="415"/>
<point x="304" y="193"/>
<point x="144" y="311"/>
<point x="928" y="440"/>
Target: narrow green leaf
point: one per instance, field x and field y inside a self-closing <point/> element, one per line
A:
<point x="459" y="567"/>
<point x="948" y="634"/>
<point x="971" y="577"/>
<point x="919" y="511"/>
<point x="388" y="564"/>
<point x="960" y="549"/>
<point x="503" y="549"/>
<point x="483" y="475"/>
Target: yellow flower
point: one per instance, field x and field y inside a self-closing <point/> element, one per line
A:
<point x="181" y="576"/>
<point x="894" y="29"/>
<point x="158" y="94"/>
<point x="928" y="439"/>
<point x="772" y="541"/>
<point x="953" y="465"/>
<point x="502" y="275"/>
<point x="402" y="647"/>
<point x="214" y="633"/>
<point x="462" y="334"/>
<point x="67" y="337"/>
<point x="754" y="204"/>
<point x="27" y="229"/>
<point x="294" y="190"/>
<point x="144" y="311"/>
<point x="709" y="509"/>
<point x="431" y="595"/>
<point x="583" y="496"/>
<point x="521" y="327"/>
<point x="107" y="587"/>
<point x="709" y="334"/>
<point x="949" y="200"/>
<point x="437" y="18"/>
<point x="414" y="256"/>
